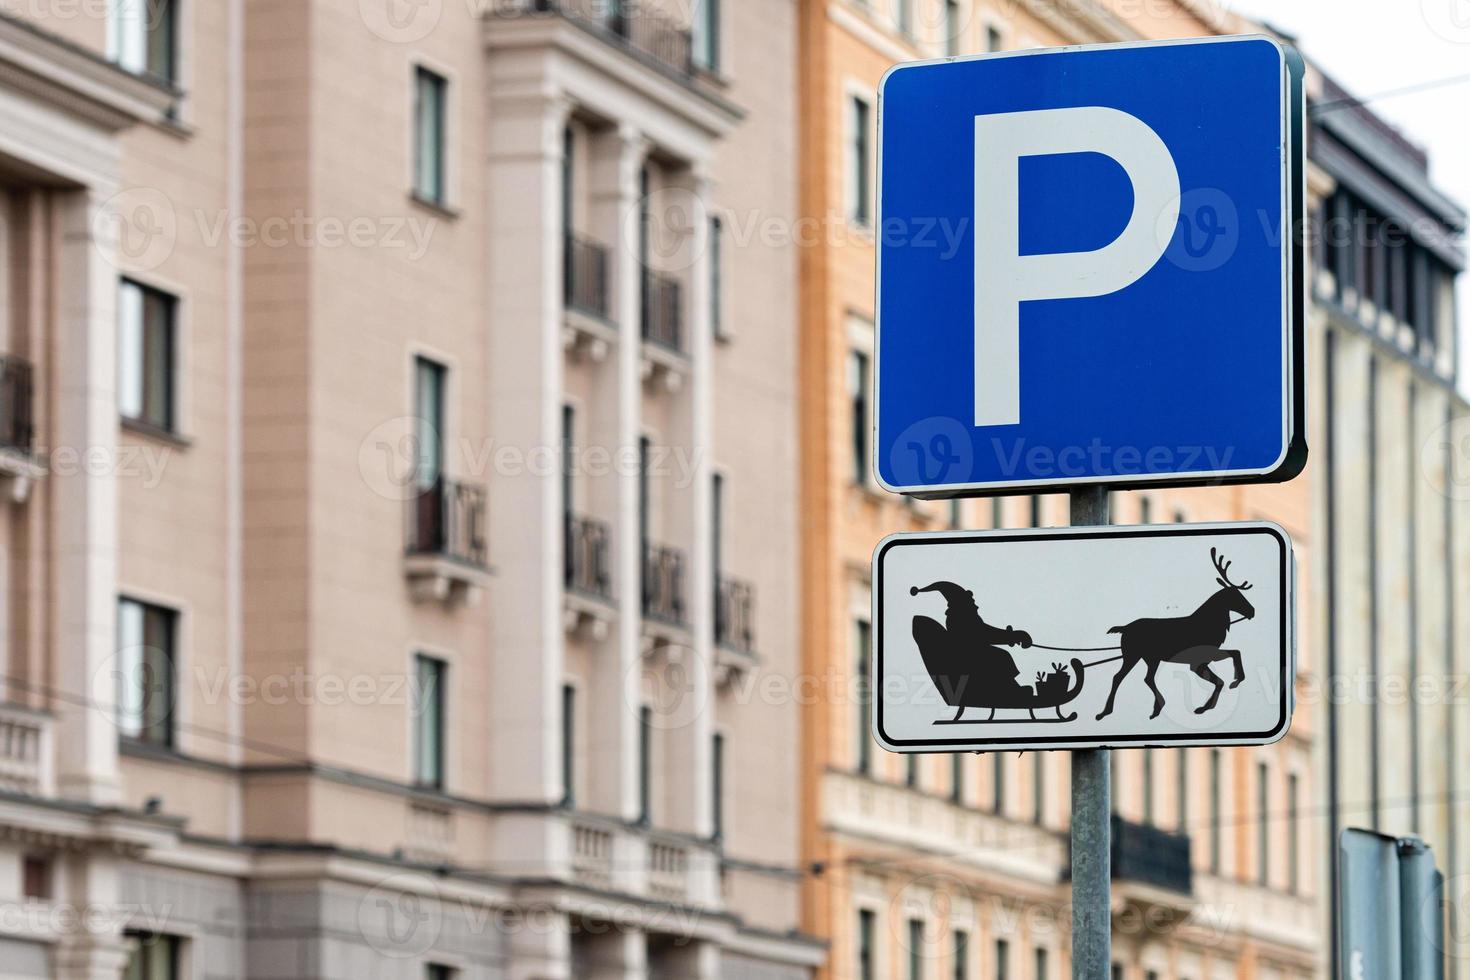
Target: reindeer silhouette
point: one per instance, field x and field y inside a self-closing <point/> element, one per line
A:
<point x="1193" y="640"/>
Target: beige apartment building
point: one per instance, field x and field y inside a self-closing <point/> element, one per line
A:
<point x="400" y="476"/>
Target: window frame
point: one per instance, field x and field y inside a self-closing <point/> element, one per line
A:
<point x="438" y="781"/>
<point x="161" y="730"/>
<point x="858" y="124"/>
<point x="134" y="355"/>
<point x="130" y="39"/>
<point x="862" y="633"/>
<point x="145" y="945"/>
<point x="441" y="82"/>
<point x="706" y="36"/>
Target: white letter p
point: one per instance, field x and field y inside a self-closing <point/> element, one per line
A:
<point x="1004" y="278"/>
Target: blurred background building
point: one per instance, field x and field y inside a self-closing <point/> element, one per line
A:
<point x="391" y="615"/>
<point x="436" y="447"/>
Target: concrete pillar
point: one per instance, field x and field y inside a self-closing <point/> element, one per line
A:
<point x="525" y="368"/>
<point x="621" y="954"/>
<point x="84" y="546"/>
<point x="542" y="950"/>
<point x="618" y="157"/>
<point x="691" y="730"/>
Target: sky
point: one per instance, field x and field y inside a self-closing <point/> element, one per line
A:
<point x="1376" y="46"/>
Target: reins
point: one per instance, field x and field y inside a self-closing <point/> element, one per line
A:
<point x="1105" y="660"/>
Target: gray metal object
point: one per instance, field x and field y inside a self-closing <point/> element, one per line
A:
<point x="1092" y="917"/>
<point x="1390" y="908"/>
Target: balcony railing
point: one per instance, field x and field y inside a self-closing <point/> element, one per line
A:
<point x="447" y="520"/>
<point x="25" y="751"/>
<point x="588" y="556"/>
<point x="1152" y="856"/>
<point x="663" y="310"/>
<point x="586" y="273"/>
<point x="17" y="423"/>
<point x="735" y="614"/>
<point x="663" y="584"/>
<point x="632" y="24"/>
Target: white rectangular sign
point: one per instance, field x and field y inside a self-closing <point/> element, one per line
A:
<point x="1083" y="637"/>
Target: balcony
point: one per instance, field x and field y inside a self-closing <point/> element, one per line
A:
<point x="26" y="761"/>
<point x="734" y="627"/>
<point x="665" y="609"/>
<point x="588" y="575"/>
<point x="646" y="33"/>
<point x="17" y="426"/>
<point x="586" y="270"/>
<point x="446" y="554"/>
<point x="1151" y="856"/>
<point x="663" y="311"/>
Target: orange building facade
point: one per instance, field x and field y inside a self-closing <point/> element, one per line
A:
<point x="940" y="866"/>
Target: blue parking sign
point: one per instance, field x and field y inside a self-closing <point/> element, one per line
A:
<point x="1088" y="268"/>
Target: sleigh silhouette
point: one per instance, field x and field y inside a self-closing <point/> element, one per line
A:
<point x="950" y="662"/>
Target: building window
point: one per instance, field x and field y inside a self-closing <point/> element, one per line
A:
<point x="862" y="644"/>
<point x="1035" y="510"/>
<point x="911" y="771"/>
<point x="716" y="275"/>
<point x="1041" y="964"/>
<point x="569" y="745"/>
<point x="858" y="381"/>
<point x="867" y="956"/>
<point x="717" y="785"/>
<point x="438" y="971"/>
<point x="428" y="410"/>
<point x="1038" y="788"/>
<point x="1002" y="960"/>
<point x="916" y="949"/>
<point x="961" y="955"/>
<point x="1293" y="851"/>
<point x="428" y="754"/>
<point x="142" y="37"/>
<point x="1148" y="786"/>
<point x="146" y="339"/>
<point x="153" y="957"/>
<point x="998" y="783"/>
<point x="147" y="635"/>
<point x="1181" y="803"/>
<point x="706" y="30"/>
<point x="904" y="17"/>
<point x="1117" y="971"/>
<point x="957" y="778"/>
<point x="1216" y="831"/>
<point x="992" y="38"/>
<point x="36" y="877"/>
<point x="953" y="28"/>
<point x="430" y="122"/>
<point x="645" y="765"/>
<point x="860" y="178"/>
<point x="1263" y="824"/>
<point x="997" y="512"/>
<point x="956" y="513"/>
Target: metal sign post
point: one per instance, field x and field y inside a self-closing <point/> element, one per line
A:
<point x="1092" y="873"/>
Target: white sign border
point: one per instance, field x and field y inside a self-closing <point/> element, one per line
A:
<point x="1291" y="425"/>
<point x="1287" y="571"/>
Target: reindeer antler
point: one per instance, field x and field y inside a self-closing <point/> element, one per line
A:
<point x="1223" y="567"/>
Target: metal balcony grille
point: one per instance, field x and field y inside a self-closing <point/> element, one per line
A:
<point x="1151" y="856"/>
<point x="631" y="24"/>
<point x="588" y="556"/>
<point x="663" y="584"/>
<point x="447" y="520"/>
<point x="663" y="310"/>
<point x="586" y="274"/>
<point x="17" y="423"/>
<point x="735" y="615"/>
